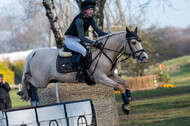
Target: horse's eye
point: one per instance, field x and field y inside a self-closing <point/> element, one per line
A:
<point x="133" y="43"/>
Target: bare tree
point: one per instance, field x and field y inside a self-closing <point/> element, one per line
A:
<point x="107" y="18"/>
<point x="78" y="3"/>
<point x="34" y="8"/>
<point x="17" y="33"/>
<point x="53" y="19"/>
<point x="122" y="17"/>
<point x="99" y="16"/>
<point x="110" y="12"/>
<point x="68" y="21"/>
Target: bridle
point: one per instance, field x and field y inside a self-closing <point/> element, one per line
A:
<point x="133" y="53"/>
<point x="121" y="53"/>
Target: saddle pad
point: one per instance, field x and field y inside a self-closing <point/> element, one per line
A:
<point x="64" y="65"/>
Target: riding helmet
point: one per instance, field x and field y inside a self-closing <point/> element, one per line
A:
<point x="87" y="4"/>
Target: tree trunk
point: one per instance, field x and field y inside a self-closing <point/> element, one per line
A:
<point x="111" y="13"/>
<point x="99" y="16"/>
<point x="79" y="3"/>
<point x="52" y="38"/>
<point x="107" y="18"/>
<point x="53" y="19"/>
<point x="68" y="21"/>
<point x="121" y="13"/>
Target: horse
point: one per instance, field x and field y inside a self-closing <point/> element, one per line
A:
<point x="40" y="66"/>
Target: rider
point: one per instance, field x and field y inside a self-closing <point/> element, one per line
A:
<point x="75" y="33"/>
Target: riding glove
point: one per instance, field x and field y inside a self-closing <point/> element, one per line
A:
<point x="98" y="44"/>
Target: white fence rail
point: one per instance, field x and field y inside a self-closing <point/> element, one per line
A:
<point x="77" y="113"/>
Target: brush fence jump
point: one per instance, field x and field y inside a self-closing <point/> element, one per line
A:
<point x="77" y="113"/>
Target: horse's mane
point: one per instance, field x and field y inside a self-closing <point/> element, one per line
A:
<point x="111" y="34"/>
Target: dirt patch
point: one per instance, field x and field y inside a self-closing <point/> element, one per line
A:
<point x="182" y="79"/>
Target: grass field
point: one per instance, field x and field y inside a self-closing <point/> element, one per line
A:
<point x="16" y="101"/>
<point x="163" y="106"/>
<point x="172" y="64"/>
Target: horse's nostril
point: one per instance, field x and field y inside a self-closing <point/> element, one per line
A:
<point x="143" y="57"/>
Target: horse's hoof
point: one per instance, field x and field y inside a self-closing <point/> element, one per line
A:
<point x="126" y="108"/>
<point x="20" y="93"/>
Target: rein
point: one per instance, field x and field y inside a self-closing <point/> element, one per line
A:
<point x="99" y="54"/>
<point x="120" y="54"/>
<point x="102" y="52"/>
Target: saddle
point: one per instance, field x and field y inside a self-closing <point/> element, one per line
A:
<point x="67" y="62"/>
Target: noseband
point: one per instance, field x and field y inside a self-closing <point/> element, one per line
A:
<point x="133" y="53"/>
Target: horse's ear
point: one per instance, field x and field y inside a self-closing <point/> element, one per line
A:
<point x="127" y="30"/>
<point x="136" y="30"/>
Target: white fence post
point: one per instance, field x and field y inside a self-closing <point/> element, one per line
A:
<point x="57" y="92"/>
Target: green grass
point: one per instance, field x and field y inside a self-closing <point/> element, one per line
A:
<point x="182" y="72"/>
<point x="179" y="89"/>
<point x="180" y="61"/>
<point x="158" y="111"/>
<point x="172" y="65"/>
<point x="163" y="106"/>
<point x="16" y="101"/>
<point x="181" y="121"/>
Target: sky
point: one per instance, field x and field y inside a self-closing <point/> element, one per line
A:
<point x="178" y="16"/>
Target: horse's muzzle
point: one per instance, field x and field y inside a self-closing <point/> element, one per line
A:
<point x="144" y="58"/>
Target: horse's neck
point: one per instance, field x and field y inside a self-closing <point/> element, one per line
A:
<point x="115" y="43"/>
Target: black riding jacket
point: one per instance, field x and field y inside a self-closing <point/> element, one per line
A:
<point x="80" y="25"/>
<point x="4" y="92"/>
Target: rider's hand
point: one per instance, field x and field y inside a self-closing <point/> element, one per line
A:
<point x="98" y="44"/>
<point x="3" y="82"/>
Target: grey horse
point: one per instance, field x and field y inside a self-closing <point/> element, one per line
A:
<point x="40" y="67"/>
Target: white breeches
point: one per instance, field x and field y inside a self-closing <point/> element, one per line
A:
<point x="73" y="43"/>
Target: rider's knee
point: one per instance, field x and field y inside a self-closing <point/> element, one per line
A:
<point x="84" y="52"/>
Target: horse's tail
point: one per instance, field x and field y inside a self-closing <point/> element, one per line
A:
<point x="26" y="77"/>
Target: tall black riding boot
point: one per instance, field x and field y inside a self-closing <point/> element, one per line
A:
<point x="80" y="63"/>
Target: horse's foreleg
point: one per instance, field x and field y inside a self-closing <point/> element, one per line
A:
<point x="119" y="80"/>
<point x="103" y="79"/>
<point x="125" y="96"/>
<point x="116" y="78"/>
<point x="123" y="82"/>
